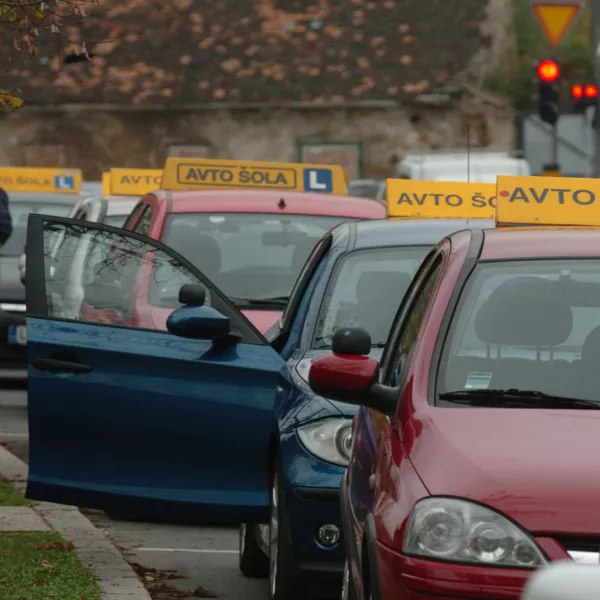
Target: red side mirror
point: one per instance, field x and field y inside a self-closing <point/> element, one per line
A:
<point x="342" y="377"/>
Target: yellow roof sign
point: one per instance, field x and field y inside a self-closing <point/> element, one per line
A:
<point x="133" y="182"/>
<point x="106" y="183"/>
<point x="197" y="174"/>
<point x="556" y="17"/>
<point x="548" y="201"/>
<point x="32" y="179"/>
<point x="409" y="198"/>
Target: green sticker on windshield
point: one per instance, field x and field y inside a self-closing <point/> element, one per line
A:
<point x="478" y="380"/>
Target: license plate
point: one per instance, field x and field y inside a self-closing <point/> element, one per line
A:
<point x="17" y="334"/>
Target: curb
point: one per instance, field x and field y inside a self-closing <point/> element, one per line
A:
<point x="116" y="578"/>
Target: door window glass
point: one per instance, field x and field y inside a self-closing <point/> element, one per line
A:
<point x="410" y="328"/>
<point x="99" y="276"/>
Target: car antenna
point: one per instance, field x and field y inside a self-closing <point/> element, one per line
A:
<point x="281" y="203"/>
<point x="468" y="151"/>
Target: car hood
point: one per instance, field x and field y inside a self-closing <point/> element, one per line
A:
<point x="263" y="320"/>
<point x="11" y="288"/>
<point x="539" y="467"/>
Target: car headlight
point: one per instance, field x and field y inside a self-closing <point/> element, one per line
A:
<point x="461" y="531"/>
<point x="330" y="440"/>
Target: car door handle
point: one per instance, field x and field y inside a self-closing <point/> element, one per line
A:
<point x="51" y="364"/>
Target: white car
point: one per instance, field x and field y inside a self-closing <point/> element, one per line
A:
<point x="111" y="210"/>
<point x="564" y="580"/>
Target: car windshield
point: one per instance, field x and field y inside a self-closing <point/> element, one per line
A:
<point x="252" y="258"/>
<point x="366" y="290"/>
<point x="19" y="212"/>
<point x="523" y="327"/>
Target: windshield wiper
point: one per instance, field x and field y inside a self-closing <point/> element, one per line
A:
<point x="279" y="301"/>
<point x="514" y="398"/>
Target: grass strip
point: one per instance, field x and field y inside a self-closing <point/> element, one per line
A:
<point x="43" y="566"/>
<point x="10" y="496"/>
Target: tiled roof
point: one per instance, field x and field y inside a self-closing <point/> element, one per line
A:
<point x="206" y="51"/>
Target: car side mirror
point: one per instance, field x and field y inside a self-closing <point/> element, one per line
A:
<point x="349" y="376"/>
<point x="564" y="580"/>
<point x="194" y="320"/>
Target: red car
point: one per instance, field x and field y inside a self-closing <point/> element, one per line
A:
<point x="252" y="243"/>
<point x="475" y="447"/>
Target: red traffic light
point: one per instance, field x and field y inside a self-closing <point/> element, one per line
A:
<point x="548" y="71"/>
<point x="577" y="91"/>
<point x="590" y="91"/>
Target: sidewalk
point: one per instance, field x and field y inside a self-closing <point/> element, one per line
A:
<point x="116" y="578"/>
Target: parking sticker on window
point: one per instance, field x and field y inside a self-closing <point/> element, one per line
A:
<point x="478" y="380"/>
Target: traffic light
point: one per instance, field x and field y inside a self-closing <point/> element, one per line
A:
<point x="548" y="73"/>
<point x="584" y="96"/>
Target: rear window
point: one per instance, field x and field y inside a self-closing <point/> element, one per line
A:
<point x="20" y="212"/>
<point x="527" y="325"/>
<point x="249" y="256"/>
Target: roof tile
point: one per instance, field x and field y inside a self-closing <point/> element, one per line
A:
<point x="152" y="51"/>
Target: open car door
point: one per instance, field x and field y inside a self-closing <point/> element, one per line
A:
<point x="127" y="418"/>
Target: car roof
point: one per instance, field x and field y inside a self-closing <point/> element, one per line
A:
<point x="510" y="243"/>
<point x="43" y="198"/>
<point x="410" y="232"/>
<point x="268" y="201"/>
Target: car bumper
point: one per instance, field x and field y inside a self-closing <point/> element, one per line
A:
<point x="409" y="578"/>
<point x="311" y="492"/>
<point x="13" y="357"/>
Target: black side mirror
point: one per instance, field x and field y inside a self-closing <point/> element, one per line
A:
<point x="192" y="294"/>
<point x="351" y="341"/>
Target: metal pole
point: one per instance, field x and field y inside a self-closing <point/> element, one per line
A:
<point x="555" y="145"/>
<point x="595" y="6"/>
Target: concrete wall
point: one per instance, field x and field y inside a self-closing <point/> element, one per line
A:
<point x="95" y="140"/>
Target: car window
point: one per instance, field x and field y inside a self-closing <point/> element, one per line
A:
<point x="365" y="290"/>
<point x="405" y="345"/>
<point x="143" y="225"/>
<point x="303" y="280"/>
<point x="531" y="325"/>
<point x="19" y="212"/>
<point x="132" y="217"/>
<point x="98" y="276"/>
<point x="248" y="256"/>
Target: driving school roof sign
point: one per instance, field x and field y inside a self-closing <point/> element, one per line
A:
<point x="548" y="201"/>
<point x="32" y="179"/>
<point x="134" y="182"/>
<point x="190" y="174"/>
<point x="556" y="17"/>
<point x="413" y="199"/>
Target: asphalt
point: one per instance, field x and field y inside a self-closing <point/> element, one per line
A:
<point x="182" y="556"/>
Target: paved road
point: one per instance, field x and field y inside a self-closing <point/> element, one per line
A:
<point x="205" y="557"/>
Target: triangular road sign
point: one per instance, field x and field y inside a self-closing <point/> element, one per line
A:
<point x="556" y="18"/>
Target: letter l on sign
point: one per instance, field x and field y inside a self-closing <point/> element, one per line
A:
<point x="318" y="180"/>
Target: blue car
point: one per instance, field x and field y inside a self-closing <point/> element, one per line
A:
<point x="150" y="393"/>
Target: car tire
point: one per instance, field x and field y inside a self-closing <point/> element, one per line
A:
<point x="253" y="561"/>
<point x="284" y="584"/>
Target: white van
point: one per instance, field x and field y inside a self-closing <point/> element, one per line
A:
<point x="479" y="166"/>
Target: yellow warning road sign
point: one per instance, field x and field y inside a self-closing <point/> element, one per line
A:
<point x="556" y="17"/>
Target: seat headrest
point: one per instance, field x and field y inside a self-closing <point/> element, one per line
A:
<point x="388" y="285"/>
<point x="524" y="311"/>
<point x="591" y="347"/>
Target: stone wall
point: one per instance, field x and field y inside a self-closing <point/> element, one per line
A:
<point x="96" y="140"/>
